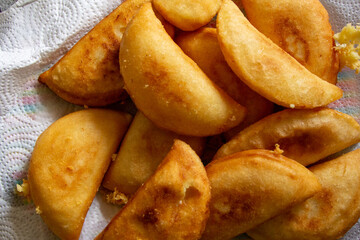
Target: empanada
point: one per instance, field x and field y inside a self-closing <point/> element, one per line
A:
<point x="301" y="28"/>
<point x="89" y="74"/>
<point x="172" y="204"/>
<point x="202" y="46"/>
<point x="167" y="86"/>
<point x="329" y="214"/>
<point x="265" y="67"/>
<point x="187" y="15"/>
<point x="142" y="150"/>
<point x="305" y="135"/>
<point x="68" y="163"/>
<point x="249" y="187"/>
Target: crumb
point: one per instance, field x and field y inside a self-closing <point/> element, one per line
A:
<point x="292" y="106"/>
<point x="113" y="157"/>
<point x="70" y="168"/>
<point x="86" y="106"/>
<point x="23" y="190"/>
<point x="38" y="211"/>
<point x="348" y="47"/>
<point x="278" y="150"/>
<point x="116" y="198"/>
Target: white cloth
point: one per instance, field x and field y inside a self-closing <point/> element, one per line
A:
<point x="34" y="34"/>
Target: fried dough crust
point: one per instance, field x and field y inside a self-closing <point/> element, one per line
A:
<point x="250" y="187"/>
<point x="89" y="74"/>
<point x="202" y="46"/>
<point x="68" y="163"/>
<point x="305" y="135"/>
<point x="167" y="86"/>
<point x="172" y="204"/>
<point x="187" y="15"/>
<point x="302" y="29"/>
<point x="142" y="150"/>
<point x="265" y="67"/>
<point x="329" y="214"/>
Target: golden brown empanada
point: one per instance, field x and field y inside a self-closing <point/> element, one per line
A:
<point x="301" y="28"/>
<point x="329" y="214"/>
<point x="202" y="46"/>
<point x="89" y="74"/>
<point x="68" y="163"/>
<point x="187" y="15"/>
<point x="172" y="204"/>
<point x="265" y="67"/>
<point x="305" y="135"/>
<point x="142" y="150"/>
<point x="167" y="86"/>
<point x="250" y="187"/>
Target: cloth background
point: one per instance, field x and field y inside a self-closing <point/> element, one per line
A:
<point x="34" y="34"/>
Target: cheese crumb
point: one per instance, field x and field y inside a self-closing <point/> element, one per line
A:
<point x="348" y="47"/>
<point x="113" y="157"/>
<point x="38" y="210"/>
<point x="116" y="198"/>
<point x="278" y="150"/>
<point x="23" y="190"/>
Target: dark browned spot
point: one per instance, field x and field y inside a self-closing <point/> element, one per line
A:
<point x="192" y="193"/>
<point x="241" y="207"/>
<point x="301" y="143"/>
<point x="325" y="197"/>
<point x="150" y="216"/>
<point x="166" y="193"/>
<point x="292" y="41"/>
<point x="313" y="224"/>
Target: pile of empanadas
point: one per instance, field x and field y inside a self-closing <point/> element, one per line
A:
<point x="257" y="87"/>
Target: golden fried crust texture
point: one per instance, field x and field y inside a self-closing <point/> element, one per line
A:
<point x="265" y="67"/>
<point x="142" y="150"/>
<point x="187" y="15"/>
<point x="89" y="73"/>
<point x="329" y="214"/>
<point x="305" y="135"/>
<point x="202" y="46"/>
<point x="250" y="187"/>
<point x="167" y="86"/>
<point x="68" y="163"/>
<point x="172" y="204"/>
<point x="301" y="28"/>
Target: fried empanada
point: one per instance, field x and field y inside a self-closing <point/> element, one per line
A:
<point x="305" y="135"/>
<point x="68" y="163"/>
<point x="250" y="187"/>
<point x="202" y="46"/>
<point x="143" y="148"/>
<point x="301" y="28"/>
<point x="172" y="204"/>
<point x="329" y="214"/>
<point x="187" y="15"/>
<point x="265" y="67"/>
<point x="89" y="73"/>
<point x="167" y="86"/>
